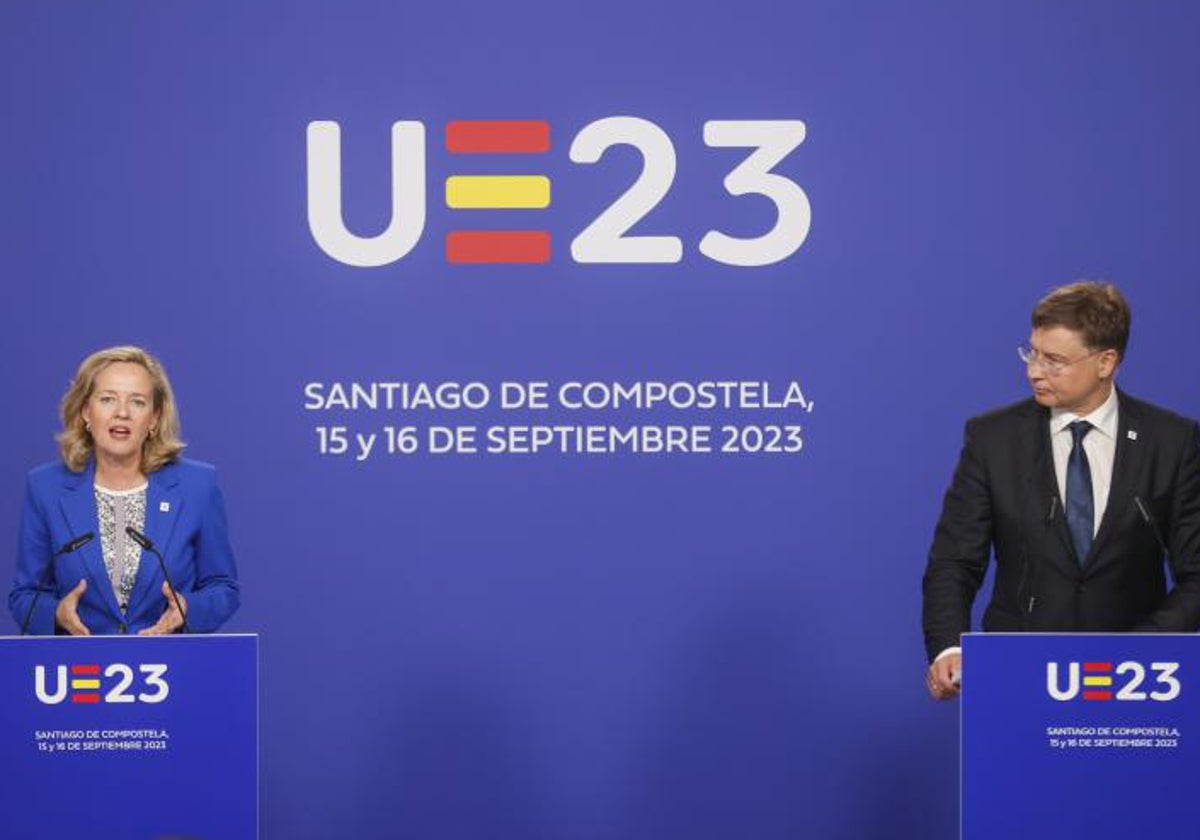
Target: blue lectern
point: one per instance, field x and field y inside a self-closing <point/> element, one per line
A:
<point x="1080" y="736"/>
<point x="137" y="738"/>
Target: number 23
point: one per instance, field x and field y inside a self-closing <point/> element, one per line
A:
<point x="605" y="239"/>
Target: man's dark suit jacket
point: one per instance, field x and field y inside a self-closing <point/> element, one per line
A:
<point x="1005" y="496"/>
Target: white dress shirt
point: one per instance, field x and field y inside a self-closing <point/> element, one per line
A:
<point x="1100" y="445"/>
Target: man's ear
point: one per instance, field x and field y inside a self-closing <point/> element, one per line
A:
<point x="1109" y="360"/>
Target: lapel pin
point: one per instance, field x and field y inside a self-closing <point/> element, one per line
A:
<point x="165" y="507"/>
<point x="1131" y="434"/>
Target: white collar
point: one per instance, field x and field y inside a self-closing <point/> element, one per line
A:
<point x="131" y="491"/>
<point x="1103" y="419"/>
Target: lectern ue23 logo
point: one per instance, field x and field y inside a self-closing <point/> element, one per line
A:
<point x="1103" y="681"/>
<point x="92" y="683"/>
<point x="606" y="239"/>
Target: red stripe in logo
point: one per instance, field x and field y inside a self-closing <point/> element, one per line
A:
<point x="85" y="698"/>
<point x="85" y="669"/>
<point x="498" y="137"/>
<point x="1097" y="667"/>
<point x="1097" y="695"/>
<point x="498" y="246"/>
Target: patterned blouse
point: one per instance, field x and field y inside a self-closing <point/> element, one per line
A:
<point x="119" y="509"/>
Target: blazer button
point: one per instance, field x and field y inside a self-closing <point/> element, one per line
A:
<point x="1080" y="589"/>
<point x="121" y="628"/>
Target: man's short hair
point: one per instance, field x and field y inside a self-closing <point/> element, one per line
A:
<point x="1097" y="311"/>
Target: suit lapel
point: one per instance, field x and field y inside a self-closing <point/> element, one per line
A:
<point x="163" y="502"/>
<point x="78" y="504"/>
<point x="1126" y="460"/>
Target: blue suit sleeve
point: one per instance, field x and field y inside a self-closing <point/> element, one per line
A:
<point x="33" y="557"/>
<point x="215" y="595"/>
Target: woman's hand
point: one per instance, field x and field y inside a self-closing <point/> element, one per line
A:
<point x="66" y="617"/>
<point x="171" y="620"/>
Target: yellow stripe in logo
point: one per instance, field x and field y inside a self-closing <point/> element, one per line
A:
<point x="85" y="683"/>
<point x="500" y="192"/>
<point x="1097" y="680"/>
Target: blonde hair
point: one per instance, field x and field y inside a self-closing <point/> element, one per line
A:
<point x="75" y="442"/>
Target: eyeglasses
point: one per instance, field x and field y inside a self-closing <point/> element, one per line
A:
<point x="1053" y="367"/>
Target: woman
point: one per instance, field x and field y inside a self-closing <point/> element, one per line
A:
<point x="121" y="479"/>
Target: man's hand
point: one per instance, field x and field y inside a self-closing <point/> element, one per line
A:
<point x="66" y="617"/>
<point x="171" y="620"/>
<point x="944" y="677"/>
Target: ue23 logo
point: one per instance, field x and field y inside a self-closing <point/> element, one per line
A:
<point x="92" y="683"/>
<point x="605" y="239"/>
<point x="1113" y="681"/>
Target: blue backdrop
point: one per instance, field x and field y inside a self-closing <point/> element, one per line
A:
<point x="592" y="646"/>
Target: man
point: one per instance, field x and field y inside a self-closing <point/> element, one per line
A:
<point x="1081" y="492"/>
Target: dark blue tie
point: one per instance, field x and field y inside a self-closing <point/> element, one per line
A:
<point x="1080" y="509"/>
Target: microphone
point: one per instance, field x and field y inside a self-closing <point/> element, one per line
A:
<point x="1149" y="519"/>
<point x="1051" y="516"/>
<point x="147" y="544"/>
<point x="66" y="548"/>
<point x="75" y="544"/>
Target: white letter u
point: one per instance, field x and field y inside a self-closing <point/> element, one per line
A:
<point x="1072" y="681"/>
<point x="39" y="685"/>
<point x="325" y="196"/>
